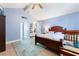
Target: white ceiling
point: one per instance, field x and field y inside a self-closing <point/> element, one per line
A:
<point x="13" y="5"/>
<point x="50" y="10"/>
<point x="54" y="10"/>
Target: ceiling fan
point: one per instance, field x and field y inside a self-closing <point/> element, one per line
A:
<point x="33" y="5"/>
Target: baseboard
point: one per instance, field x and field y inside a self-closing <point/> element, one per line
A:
<point x="9" y="42"/>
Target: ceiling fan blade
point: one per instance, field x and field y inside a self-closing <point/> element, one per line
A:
<point x="27" y="6"/>
<point x="33" y="6"/>
<point x="40" y="6"/>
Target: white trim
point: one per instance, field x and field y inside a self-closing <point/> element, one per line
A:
<point x="9" y="42"/>
<point x="21" y="30"/>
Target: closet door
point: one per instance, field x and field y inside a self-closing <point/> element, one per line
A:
<point x="2" y="33"/>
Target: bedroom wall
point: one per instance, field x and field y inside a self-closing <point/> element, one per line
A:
<point x="69" y="21"/>
<point x="13" y="19"/>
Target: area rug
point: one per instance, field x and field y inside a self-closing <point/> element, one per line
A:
<point x="20" y="51"/>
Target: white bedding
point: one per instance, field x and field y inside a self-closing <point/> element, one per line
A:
<point x="56" y="37"/>
<point x="53" y="36"/>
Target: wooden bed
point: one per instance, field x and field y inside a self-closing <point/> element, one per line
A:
<point x="55" y="45"/>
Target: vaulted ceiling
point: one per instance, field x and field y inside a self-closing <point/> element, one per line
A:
<point x="54" y="10"/>
<point x="13" y="5"/>
<point x="50" y="10"/>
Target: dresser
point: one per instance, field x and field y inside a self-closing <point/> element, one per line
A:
<point x="2" y="33"/>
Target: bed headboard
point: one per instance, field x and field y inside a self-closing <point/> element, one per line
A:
<point x="56" y="29"/>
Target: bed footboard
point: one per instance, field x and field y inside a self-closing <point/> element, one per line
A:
<point x="35" y="39"/>
<point x="55" y="45"/>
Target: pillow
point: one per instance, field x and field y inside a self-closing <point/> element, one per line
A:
<point x="51" y="32"/>
<point x="67" y="43"/>
<point x="58" y="33"/>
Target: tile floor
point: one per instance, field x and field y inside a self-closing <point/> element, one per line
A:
<point x="10" y="51"/>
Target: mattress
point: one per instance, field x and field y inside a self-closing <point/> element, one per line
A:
<point x="55" y="36"/>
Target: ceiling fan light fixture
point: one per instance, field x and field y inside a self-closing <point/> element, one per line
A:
<point x="40" y="6"/>
<point x="33" y="6"/>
